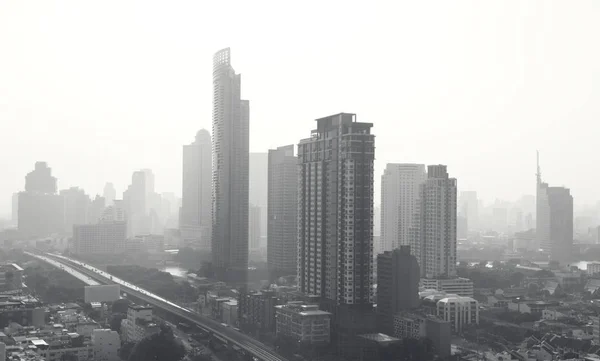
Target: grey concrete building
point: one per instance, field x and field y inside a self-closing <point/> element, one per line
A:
<point x="230" y="171"/>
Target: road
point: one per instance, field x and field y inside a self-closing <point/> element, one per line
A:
<point x="254" y="347"/>
<point x="87" y="280"/>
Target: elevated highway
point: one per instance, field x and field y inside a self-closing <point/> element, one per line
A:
<point x="250" y="346"/>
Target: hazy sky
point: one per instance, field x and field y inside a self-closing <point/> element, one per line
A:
<point x="99" y="89"/>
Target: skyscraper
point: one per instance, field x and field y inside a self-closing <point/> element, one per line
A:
<point x="433" y="236"/>
<point x="196" y="204"/>
<point x="40" y="180"/>
<point x="40" y="210"/>
<point x="399" y="195"/>
<point x="335" y="223"/>
<point x="469" y="208"/>
<point x="282" y="234"/>
<point x="259" y="174"/>
<point x="135" y="203"/>
<point x="230" y="171"/>
<point x="76" y="207"/>
<point x="554" y="219"/>
<point x="254" y="227"/>
<point x="109" y="194"/>
<point x="335" y="211"/>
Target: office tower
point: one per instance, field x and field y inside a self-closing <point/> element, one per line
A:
<point x="40" y="180"/>
<point x="259" y="175"/>
<point x="282" y="226"/>
<point x="398" y="277"/>
<point x="554" y="219"/>
<point x="40" y="209"/>
<point x="109" y="194"/>
<point x="230" y="171"/>
<point x="469" y="207"/>
<point x="95" y="210"/>
<point x="135" y="204"/>
<point x="196" y="204"/>
<point x="254" y="227"/>
<point x="399" y="194"/>
<point x="434" y="231"/>
<point x="76" y="207"/>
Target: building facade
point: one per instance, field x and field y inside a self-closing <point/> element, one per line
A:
<point x="397" y="285"/>
<point x="303" y="323"/>
<point x="230" y="171"/>
<point x="101" y="238"/>
<point x="254" y="222"/>
<point x="335" y="211"/>
<point x="433" y="236"/>
<point x="106" y="344"/>
<point x="282" y="222"/>
<point x="458" y="311"/>
<point x="258" y="186"/>
<point x="455" y="285"/>
<point x="400" y="185"/>
<point x="257" y="311"/>
<point x="195" y="220"/>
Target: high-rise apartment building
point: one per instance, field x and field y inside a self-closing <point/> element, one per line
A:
<point x="195" y="220"/>
<point x="254" y="227"/>
<point x="231" y="118"/>
<point x="258" y="186"/>
<point x="554" y="220"/>
<point x="397" y="285"/>
<point x="282" y="235"/>
<point x="76" y="207"/>
<point x="335" y="211"/>
<point x="433" y="236"/>
<point x="40" y="211"/>
<point x="101" y="238"/>
<point x="40" y="180"/>
<point x="469" y="208"/>
<point x="399" y="195"/>
<point x="109" y="194"/>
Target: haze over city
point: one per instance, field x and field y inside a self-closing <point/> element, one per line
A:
<point x="99" y="90"/>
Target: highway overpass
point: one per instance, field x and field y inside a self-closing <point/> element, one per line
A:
<point x="250" y="346"/>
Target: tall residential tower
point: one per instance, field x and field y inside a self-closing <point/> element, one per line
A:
<point x="230" y="171"/>
<point x="399" y="195"/>
<point x="195" y="220"/>
<point x="282" y="222"/>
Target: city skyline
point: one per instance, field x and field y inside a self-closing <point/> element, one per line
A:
<point x="496" y="87"/>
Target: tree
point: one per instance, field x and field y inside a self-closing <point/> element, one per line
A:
<point x="161" y="346"/>
<point x="115" y="321"/>
<point x="120" y="306"/>
<point x="516" y="279"/>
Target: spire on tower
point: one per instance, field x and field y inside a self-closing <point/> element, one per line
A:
<point x="539" y="171"/>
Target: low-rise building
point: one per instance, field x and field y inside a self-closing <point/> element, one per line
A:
<point x="229" y="314"/>
<point x="106" y="344"/>
<point x="256" y="311"/>
<point x="457" y="285"/>
<point x="459" y="311"/>
<point x="303" y="323"/>
<point x="592" y="268"/>
<point x="25" y="310"/>
<point x="138" y="324"/>
<point x="533" y="307"/>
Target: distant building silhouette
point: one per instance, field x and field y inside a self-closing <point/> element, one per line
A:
<point x="399" y="195"/>
<point x="109" y="194"/>
<point x="468" y="207"/>
<point x="282" y="223"/>
<point x="254" y="222"/>
<point x="230" y="171"/>
<point x="76" y="207"/>
<point x="258" y="186"/>
<point x="95" y="210"/>
<point x="195" y="220"/>
<point x="433" y="237"/>
<point x="554" y="220"/>
<point x="335" y="223"/>
<point x="41" y="212"/>
<point x="397" y="285"/>
<point x="40" y="180"/>
<point x="135" y="204"/>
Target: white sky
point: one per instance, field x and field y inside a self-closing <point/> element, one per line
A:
<point x="99" y="89"/>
